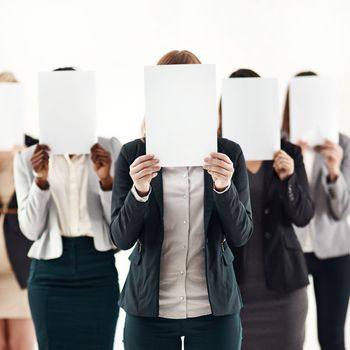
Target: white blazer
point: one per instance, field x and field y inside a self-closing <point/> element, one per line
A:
<point x="38" y="215"/>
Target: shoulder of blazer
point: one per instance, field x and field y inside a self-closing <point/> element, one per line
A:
<point x="133" y="149"/>
<point x="230" y="148"/>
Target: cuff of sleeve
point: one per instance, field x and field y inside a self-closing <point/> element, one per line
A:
<point x="225" y="190"/>
<point x="37" y="192"/>
<point x="336" y="187"/>
<point x="138" y="197"/>
<point x="227" y="195"/>
<point x="288" y="187"/>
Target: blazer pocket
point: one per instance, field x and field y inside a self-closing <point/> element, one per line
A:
<point x="291" y="241"/>
<point x="135" y="256"/>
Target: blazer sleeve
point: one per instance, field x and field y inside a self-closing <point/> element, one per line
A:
<point x="295" y="193"/>
<point x="106" y="196"/>
<point x="127" y="212"/>
<point x="234" y="206"/>
<point x="339" y="192"/>
<point x="33" y="203"/>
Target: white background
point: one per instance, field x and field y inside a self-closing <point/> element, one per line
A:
<point x="117" y="38"/>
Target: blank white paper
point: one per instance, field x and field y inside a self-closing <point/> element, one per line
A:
<point x="250" y="116"/>
<point x="11" y="115"/>
<point x="67" y="110"/>
<point x="181" y="114"/>
<point x="313" y="107"/>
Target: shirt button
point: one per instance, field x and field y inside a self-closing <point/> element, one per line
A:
<point x="267" y="235"/>
<point x="184" y="246"/>
<point x="185" y="175"/>
<point x="267" y="211"/>
<point x="185" y="196"/>
<point x="181" y="272"/>
<point x="182" y="298"/>
<point x="185" y="222"/>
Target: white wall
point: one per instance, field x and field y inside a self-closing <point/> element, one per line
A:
<point x="117" y="38"/>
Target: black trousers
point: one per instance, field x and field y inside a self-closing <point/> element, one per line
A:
<point x="201" y="333"/>
<point x="332" y="288"/>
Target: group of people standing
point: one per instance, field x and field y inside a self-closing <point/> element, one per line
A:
<point x="206" y="240"/>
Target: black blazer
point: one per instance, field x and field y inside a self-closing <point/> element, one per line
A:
<point x="227" y="223"/>
<point x="16" y="244"/>
<point x="286" y="203"/>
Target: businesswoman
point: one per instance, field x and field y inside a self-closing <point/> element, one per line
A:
<point x="64" y="207"/>
<point x="326" y="240"/>
<point x="16" y="327"/>
<point x="271" y="269"/>
<point x="184" y="222"/>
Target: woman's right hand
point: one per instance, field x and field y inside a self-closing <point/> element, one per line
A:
<point x="142" y="171"/>
<point x="40" y="164"/>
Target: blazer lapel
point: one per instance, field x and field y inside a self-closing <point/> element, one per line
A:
<point x="208" y="199"/>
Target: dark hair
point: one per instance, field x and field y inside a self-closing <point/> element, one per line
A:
<point x="64" y="69"/>
<point x="286" y="121"/>
<point x="240" y="73"/>
<point x="244" y="73"/>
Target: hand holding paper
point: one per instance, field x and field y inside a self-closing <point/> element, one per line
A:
<point x="333" y="155"/>
<point x="283" y="164"/>
<point x="40" y="164"/>
<point x="142" y="171"/>
<point x="102" y="162"/>
<point x="221" y="169"/>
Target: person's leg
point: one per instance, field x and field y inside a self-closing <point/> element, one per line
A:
<point x="213" y="332"/>
<point x="148" y="333"/>
<point x="3" y="335"/>
<point x="21" y="334"/>
<point x="332" y="297"/>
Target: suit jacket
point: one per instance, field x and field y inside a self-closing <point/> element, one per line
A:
<point x="286" y="203"/>
<point x="331" y="230"/>
<point x="17" y="245"/>
<point x="227" y="223"/>
<point x="38" y="216"/>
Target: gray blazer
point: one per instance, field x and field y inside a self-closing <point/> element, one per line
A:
<point x="37" y="213"/>
<point x="331" y="230"/>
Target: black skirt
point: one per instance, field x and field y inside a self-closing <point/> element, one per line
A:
<point x="74" y="299"/>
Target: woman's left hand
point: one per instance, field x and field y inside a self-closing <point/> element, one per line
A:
<point x="283" y="165"/>
<point x="102" y="162"/>
<point x="221" y="169"/>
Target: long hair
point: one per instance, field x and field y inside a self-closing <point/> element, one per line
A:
<point x="240" y="73"/>
<point x="285" y="130"/>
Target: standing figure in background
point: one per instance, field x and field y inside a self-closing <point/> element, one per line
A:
<point x="16" y="327"/>
<point x="271" y="269"/>
<point x="64" y="206"/>
<point x="326" y="240"/>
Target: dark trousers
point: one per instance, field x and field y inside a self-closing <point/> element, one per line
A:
<point x="201" y="333"/>
<point x="332" y="288"/>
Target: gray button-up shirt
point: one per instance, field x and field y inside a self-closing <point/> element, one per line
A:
<point x="183" y="289"/>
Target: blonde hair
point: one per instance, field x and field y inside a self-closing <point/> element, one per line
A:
<point x="7" y="77"/>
